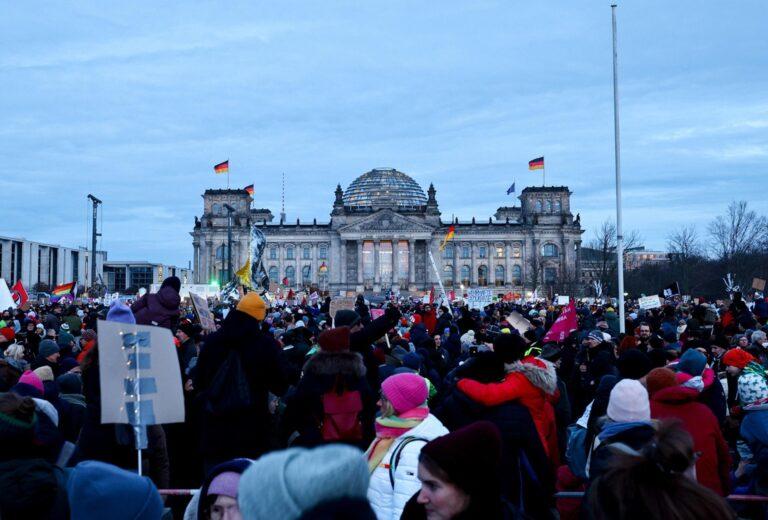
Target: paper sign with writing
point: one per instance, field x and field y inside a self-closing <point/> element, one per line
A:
<point x="758" y="284"/>
<point x="338" y="304"/>
<point x="563" y="300"/>
<point x="377" y="313"/>
<point x="649" y="302"/>
<point x="140" y="376"/>
<point x="518" y="321"/>
<point x="204" y="315"/>
<point x="479" y="298"/>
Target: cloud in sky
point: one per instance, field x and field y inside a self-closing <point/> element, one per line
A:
<point x="136" y="102"/>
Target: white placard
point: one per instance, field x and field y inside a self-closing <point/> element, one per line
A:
<point x="159" y="376"/>
<point x="479" y="298"/>
<point x="563" y="300"/>
<point x="202" y="289"/>
<point x="6" y="300"/>
<point x="649" y="302"/>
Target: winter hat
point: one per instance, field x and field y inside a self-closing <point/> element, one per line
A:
<point x="405" y="391"/>
<point x="120" y="313"/>
<point x="192" y="330"/>
<point x="253" y="306"/>
<point x="470" y="455"/>
<point x="596" y="335"/>
<point x="629" y="402"/>
<point x="509" y="347"/>
<point x="99" y="490"/>
<point x="633" y="364"/>
<point x="285" y="484"/>
<point x="737" y="357"/>
<point x="68" y="363"/>
<point x="16" y="431"/>
<point x="225" y="483"/>
<point x="44" y="373"/>
<point x="346" y="318"/>
<point x="412" y="361"/>
<point x="40" y="326"/>
<point x="88" y="335"/>
<point x="70" y="384"/>
<point x="334" y="340"/>
<point x="659" y="379"/>
<point x="692" y="362"/>
<point x="48" y="347"/>
<point x="173" y="282"/>
<point x="8" y="333"/>
<point x="65" y="339"/>
<point x="64" y="327"/>
<point x="31" y="379"/>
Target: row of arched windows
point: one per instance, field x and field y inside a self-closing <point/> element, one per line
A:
<point x="482" y="275"/>
<point x="465" y="251"/>
<point x="548" y="206"/>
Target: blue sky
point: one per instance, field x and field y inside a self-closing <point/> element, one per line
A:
<point x="136" y="102"/>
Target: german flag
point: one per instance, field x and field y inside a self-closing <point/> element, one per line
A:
<point x="448" y="236"/>
<point x="222" y="167"/>
<point x="65" y="288"/>
<point x="249" y="189"/>
<point x="536" y="164"/>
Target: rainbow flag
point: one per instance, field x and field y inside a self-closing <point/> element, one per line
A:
<point x="65" y="288"/>
<point x="536" y="164"/>
<point x="249" y="189"/>
<point x="222" y="167"/>
<point x="448" y="236"/>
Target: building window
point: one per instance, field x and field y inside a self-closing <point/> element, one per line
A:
<point x="517" y="275"/>
<point x="273" y="274"/>
<point x="538" y="206"/>
<point x="558" y="206"/>
<point x="499" y="275"/>
<point x="550" y="275"/>
<point x="306" y="275"/>
<point x="216" y="209"/>
<point x="549" y="250"/>
<point x="465" y="252"/>
<point x="448" y="275"/>
<point x="465" y="275"/>
<point x="221" y="253"/>
<point x="323" y="252"/>
<point x="482" y="275"/>
<point x="306" y="253"/>
<point x="517" y="252"/>
<point x="448" y="252"/>
<point x="290" y="274"/>
<point x="385" y="262"/>
<point x="141" y="277"/>
<point x="402" y="263"/>
<point x="289" y="253"/>
<point x="273" y="253"/>
<point x="499" y="251"/>
<point x="368" y="263"/>
<point x="75" y="266"/>
<point x="482" y="252"/>
<point x="549" y="206"/>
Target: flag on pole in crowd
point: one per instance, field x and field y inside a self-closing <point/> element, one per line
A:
<point x="536" y="164"/>
<point x="566" y="323"/>
<point x="432" y="295"/>
<point x="249" y="189"/>
<point x="671" y="290"/>
<point x="65" y="288"/>
<point x="222" y="167"/>
<point x="244" y="274"/>
<point x="511" y="189"/>
<point x="323" y="267"/>
<point x="19" y="294"/>
<point x="448" y="236"/>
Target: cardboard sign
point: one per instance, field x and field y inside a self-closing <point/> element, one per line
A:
<point x="518" y="321"/>
<point x="479" y="298"/>
<point x="204" y="315"/>
<point x="563" y="300"/>
<point x="758" y="284"/>
<point x="6" y="300"/>
<point x="649" y="302"/>
<point x="338" y="304"/>
<point x="377" y="313"/>
<point x="140" y="376"/>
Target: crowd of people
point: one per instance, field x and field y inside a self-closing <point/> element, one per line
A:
<point x="425" y="411"/>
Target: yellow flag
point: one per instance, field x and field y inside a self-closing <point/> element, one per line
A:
<point x="244" y="274"/>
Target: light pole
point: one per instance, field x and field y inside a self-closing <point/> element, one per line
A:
<point x="94" y="234"/>
<point x="617" y="153"/>
<point x="230" y="210"/>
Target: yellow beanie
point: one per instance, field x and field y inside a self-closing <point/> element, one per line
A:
<point x="253" y="306"/>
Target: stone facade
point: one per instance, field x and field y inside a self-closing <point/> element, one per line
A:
<point x="381" y="232"/>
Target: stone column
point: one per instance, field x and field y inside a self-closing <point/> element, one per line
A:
<point x="395" y="251"/>
<point x="491" y="248"/>
<point x="343" y="262"/>
<point x="456" y="268"/>
<point x="195" y="256"/>
<point x="376" y="262"/>
<point x="315" y="265"/>
<point x="473" y="264"/>
<point x="209" y="260"/>
<point x="359" y="262"/>
<point x="411" y="261"/>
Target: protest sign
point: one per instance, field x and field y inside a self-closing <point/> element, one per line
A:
<point x="566" y="323"/>
<point x="338" y="304"/>
<point x="204" y="315"/>
<point x="203" y="289"/>
<point x="562" y="300"/>
<point x="479" y="298"/>
<point x="758" y="284"/>
<point x="6" y="300"/>
<point x="376" y="313"/>
<point x="649" y="302"/>
<point x="140" y="376"/>
<point x="518" y="321"/>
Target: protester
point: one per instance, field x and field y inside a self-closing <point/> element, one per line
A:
<point x="162" y="308"/>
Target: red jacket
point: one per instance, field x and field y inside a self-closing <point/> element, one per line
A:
<point x="430" y="320"/>
<point x="712" y="468"/>
<point x="533" y="383"/>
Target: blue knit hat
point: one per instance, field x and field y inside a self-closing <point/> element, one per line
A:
<point x="97" y="490"/>
<point x="692" y="362"/>
<point x="120" y="313"/>
<point x="48" y="347"/>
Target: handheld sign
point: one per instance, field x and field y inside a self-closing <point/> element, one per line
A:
<point x="649" y="302"/>
<point x="338" y="304"/>
<point x="479" y="298"/>
<point x="6" y="300"/>
<point x="204" y="315"/>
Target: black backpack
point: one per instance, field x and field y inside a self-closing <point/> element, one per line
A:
<point x="229" y="392"/>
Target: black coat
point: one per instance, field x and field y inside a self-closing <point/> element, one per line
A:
<point x="160" y="309"/>
<point x="362" y="341"/>
<point x="524" y="463"/>
<point x="246" y="434"/>
<point x="32" y="488"/>
<point x="325" y="372"/>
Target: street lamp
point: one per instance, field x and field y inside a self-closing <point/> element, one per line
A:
<point x="230" y="210"/>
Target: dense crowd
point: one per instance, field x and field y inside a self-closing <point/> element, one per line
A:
<point x="425" y="411"/>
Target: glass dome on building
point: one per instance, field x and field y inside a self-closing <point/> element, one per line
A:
<point x="384" y="188"/>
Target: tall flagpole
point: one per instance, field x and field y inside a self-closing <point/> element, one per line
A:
<point x="617" y="154"/>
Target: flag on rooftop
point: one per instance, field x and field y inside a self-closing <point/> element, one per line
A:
<point x="222" y="167"/>
<point x="536" y="164"/>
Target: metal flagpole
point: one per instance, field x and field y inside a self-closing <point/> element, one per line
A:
<point x="439" y="280"/>
<point x="617" y="153"/>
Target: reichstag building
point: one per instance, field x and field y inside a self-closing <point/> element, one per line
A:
<point x="379" y="235"/>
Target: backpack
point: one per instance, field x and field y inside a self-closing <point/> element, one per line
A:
<point x="576" y="451"/>
<point x="341" y="416"/>
<point x="229" y="392"/>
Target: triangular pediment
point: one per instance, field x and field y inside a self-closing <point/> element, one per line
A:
<point x="384" y="221"/>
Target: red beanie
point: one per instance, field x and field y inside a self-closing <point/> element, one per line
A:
<point x="334" y="340"/>
<point x="737" y="357"/>
<point x="659" y="379"/>
<point x="8" y="333"/>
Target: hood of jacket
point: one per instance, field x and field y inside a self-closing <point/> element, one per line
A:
<point x="28" y="488"/>
<point x="337" y="363"/>
<point x="539" y="372"/>
<point x="676" y="395"/>
<point x="168" y="298"/>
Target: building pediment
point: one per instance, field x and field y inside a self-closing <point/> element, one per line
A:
<point x="386" y="221"/>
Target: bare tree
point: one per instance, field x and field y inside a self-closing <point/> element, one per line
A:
<point x="604" y="241"/>
<point x="684" y="243"/>
<point x="738" y="232"/>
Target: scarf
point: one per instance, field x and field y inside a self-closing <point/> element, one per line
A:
<point x="753" y="367"/>
<point x="390" y="428"/>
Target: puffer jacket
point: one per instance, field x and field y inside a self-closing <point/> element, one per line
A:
<point x="388" y="501"/>
<point x="532" y="382"/>
<point x="160" y="309"/>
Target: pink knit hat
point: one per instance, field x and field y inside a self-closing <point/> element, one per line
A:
<point x="32" y="379"/>
<point x="405" y="391"/>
